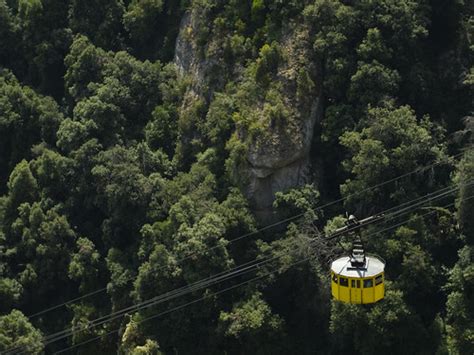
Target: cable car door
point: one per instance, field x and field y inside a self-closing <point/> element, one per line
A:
<point x="356" y="291"/>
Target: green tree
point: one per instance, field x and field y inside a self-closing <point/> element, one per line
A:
<point x="460" y="285"/>
<point x="22" y="187"/>
<point x="372" y="83"/>
<point x="17" y="331"/>
<point x="27" y="118"/>
<point x="161" y="131"/>
<point x="9" y="33"/>
<point x="140" y="20"/>
<point x="45" y="40"/>
<point x="131" y="339"/>
<point x="121" y="272"/>
<point x="122" y="194"/>
<point x="101" y="22"/>
<point x="388" y="326"/>
<point x="249" y="322"/>
<point x="115" y="94"/>
<point x="267" y="63"/>
<point x="10" y="291"/>
<point x="85" y="265"/>
<point x="459" y="305"/>
<point x="84" y="64"/>
<point x="157" y="275"/>
<point x="393" y="143"/>
<point x="466" y="191"/>
<point x="373" y="47"/>
<point x="41" y="241"/>
<point x="52" y="172"/>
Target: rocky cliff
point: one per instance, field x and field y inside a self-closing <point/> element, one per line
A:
<point x="285" y="110"/>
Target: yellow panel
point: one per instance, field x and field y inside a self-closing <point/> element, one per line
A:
<point x="344" y="295"/>
<point x="368" y="294"/>
<point x="380" y="288"/>
<point x="344" y="292"/>
<point x="356" y="294"/>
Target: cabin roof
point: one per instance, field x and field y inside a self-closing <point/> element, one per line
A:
<point x="373" y="266"/>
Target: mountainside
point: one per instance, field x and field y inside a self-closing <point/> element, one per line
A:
<point x="147" y="147"/>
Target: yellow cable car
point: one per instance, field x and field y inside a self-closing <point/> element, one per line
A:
<point x="358" y="278"/>
<point x="358" y="284"/>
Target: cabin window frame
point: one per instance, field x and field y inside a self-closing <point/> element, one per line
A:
<point x="368" y="283"/>
<point x="343" y="281"/>
<point x="355" y="283"/>
<point x="378" y="279"/>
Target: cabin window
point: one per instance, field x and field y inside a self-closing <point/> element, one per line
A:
<point x="334" y="278"/>
<point x="378" y="279"/>
<point x="355" y="283"/>
<point x="368" y="283"/>
<point x="343" y="282"/>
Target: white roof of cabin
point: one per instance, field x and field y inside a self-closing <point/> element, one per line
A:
<point x="373" y="266"/>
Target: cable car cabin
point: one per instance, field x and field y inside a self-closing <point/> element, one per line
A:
<point x="358" y="279"/>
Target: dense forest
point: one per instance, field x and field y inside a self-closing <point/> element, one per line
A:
<point x="148" y="145"/>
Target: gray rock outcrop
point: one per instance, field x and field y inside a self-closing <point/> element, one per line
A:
<point x="279" y="160"/>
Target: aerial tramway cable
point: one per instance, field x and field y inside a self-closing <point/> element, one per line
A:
<point x="229" y="274"/>
<point x="246" y="235"/>
<point x="236" y="286"/>
<point x="183" y="305"/>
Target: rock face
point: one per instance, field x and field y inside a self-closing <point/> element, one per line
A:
<point x="190" y="59"/>
<point x="280" y="165"/>
<point x="184" y="54"/>
<point x="278" y="160"/>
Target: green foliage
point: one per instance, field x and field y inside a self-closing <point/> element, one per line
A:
<point x="218" y="123"/>
<point x="22" y="186"/>
<point x="206" y="233"/>
<point x="297" y="201"/>
<point x="338" y="119"/>
<point x="465" y="202"/>
<point x="267" y="63"/>
<point x="84" y="265"/>
<point x="120" y="271"/>
<point x="131" y="339"/>
<point x="373" y="82"/>
<point x="393" y="142"/>
<point x="387" y="326"/>
<point x="84" y="64"/>
<point x="236" y="163"/>
<point x="249" y="321"/>
<point x="52" y="172"/>
<point x="373" y="47"/>
<point x="136" y="172"/>
<point x="40" y="240"/>
<point x="155" y="276"/>
<point x="460" y="311"/>
<point x="103" y="24"/>
<point x="27" y="8"/>
<point x="122" y="193"/>
<point x="17" y="331"/>
<point x="140" y="18"/>
<point x="8" y="33"/>
<point x="161" y="131"/>
<point x="115" y="95"/>
<point x="83" y="313"/>
<point x="10" y="291"/>
<point x="25" y="117"/>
